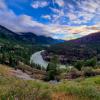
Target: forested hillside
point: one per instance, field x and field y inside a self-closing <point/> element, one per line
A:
<point x="79" y="49"/>
<point x="14" y="49"/>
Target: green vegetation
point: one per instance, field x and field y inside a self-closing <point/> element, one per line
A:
<point x="84" y="48"/>
<point x="53" y="69"/>
<point x="79" y="64"/>
<point x="80" y="81"/>
<point x="85" y="63"/>
<point x="13" y="51"/>
<point x="12" y="88"/>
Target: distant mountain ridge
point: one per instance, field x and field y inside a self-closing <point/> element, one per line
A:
<point x="78" y="49"/>
<point x="94" y="37"/>
<point x="28" y="37"/>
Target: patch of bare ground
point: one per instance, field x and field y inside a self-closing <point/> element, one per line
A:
<point x="34" y="73"/>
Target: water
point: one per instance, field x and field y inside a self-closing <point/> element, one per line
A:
<point x="37" y="59"/>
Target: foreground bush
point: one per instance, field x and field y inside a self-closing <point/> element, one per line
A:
<point x="88" y="71"/>
<point x="73" y="74"/>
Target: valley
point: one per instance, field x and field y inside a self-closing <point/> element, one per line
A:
<point x="68" y="69"/>
<point x="49" y="49"/>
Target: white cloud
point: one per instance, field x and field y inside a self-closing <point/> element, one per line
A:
<point x="55" y="10"/>
<point x="58" y="13"/>
<point x="46" y="17"/>
<point x="85" y="11"/>
<point x="39" y="4"/>
<point x="88" y="9"/>
<point x="2" y="4"/>
<point x="71" y="16"/>
<point x="25" y="23"/>
<point x="60" y="2"/>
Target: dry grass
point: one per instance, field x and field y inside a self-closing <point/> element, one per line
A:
<point x="63" y="96"/>
<point x="80" y="89"/>
<point x="5" y="70"/>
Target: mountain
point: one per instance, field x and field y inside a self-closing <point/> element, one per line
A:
<point x="78" y="49"/>
<point x="94" y="37"/>
<point x="32" y="38"/>
<point x="29" y="38"/>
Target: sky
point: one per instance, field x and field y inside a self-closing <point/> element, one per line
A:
<point x="59" y="19"/>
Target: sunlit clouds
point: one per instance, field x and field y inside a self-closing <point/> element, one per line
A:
<point x="61" y="19"/>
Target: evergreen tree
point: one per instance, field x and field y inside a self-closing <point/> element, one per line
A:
<point x="3" y="58"/>
<point x="53" y="69"/>
<point x="79" y="64"/>
<point x="92" y="62"/>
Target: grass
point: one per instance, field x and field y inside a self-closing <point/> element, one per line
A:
<point x="12" y="88"/>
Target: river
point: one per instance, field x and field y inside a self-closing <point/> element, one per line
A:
<point x="37" y="59"/>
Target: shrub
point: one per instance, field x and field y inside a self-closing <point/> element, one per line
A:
<point x="73" y="73"/>
<point x="96" y="71"/>
<point x="88" y="71"/>
<point x="79" y="64"/>
<point x="92" y="62"/>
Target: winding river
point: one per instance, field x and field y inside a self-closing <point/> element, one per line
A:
<point x="37" y="59"/>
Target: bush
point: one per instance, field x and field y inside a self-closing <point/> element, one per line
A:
<point x="88" y="71"/>
<point x="92" y="62"/>
<point x="73" y="73"/>
<point x="79" y="64"/>
<point x="96" y="71"/>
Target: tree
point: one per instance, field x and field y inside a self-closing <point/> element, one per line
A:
<point x="53" y="69"/>
<point x="79" y="64"/>
<point x="91" y="63"/>
<point x="3" y="58"/>
<point x="12" y="60"/>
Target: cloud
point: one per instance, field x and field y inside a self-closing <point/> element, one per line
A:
<point x="39" y="4"/>
<point x="87" y="11"/>
<point x="60" y="3"/>
<point x="71" y="16"/>
<point x="55" y="10"/>
<point x="26" y="23"/>
<point x="57" y="14"/>
<point x="22" y="23"/>
<point x="46" y="17"/>
<point x="2" y="4"/>
<point x="83" y="12"/>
